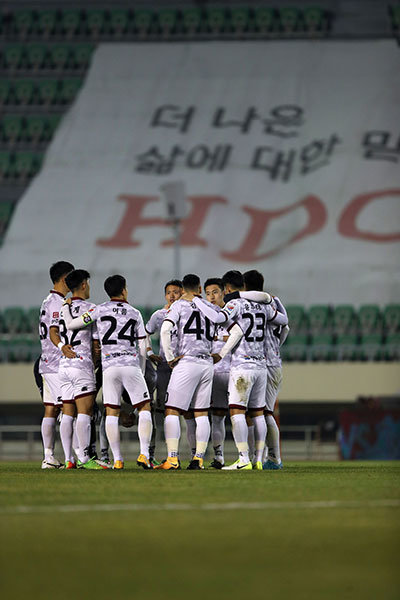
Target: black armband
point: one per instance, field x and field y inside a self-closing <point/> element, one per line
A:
<point x="231" y="296"/>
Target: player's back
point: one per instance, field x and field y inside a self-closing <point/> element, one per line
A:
<point x="119" y="326"/>
<point x="80" y="339"/>
<point x="252" y="318"/>
<point x="49" y="317"/>
<point x="195" y="332"/>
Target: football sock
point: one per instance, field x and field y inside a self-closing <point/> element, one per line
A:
<point x="191" y="435"/>
<point x="218" y="436"/>
<point x="202" y="435"/>
<point x="83" y="427"/>
<point x="251" y="440"/>
<point x="103" y="436"/>
<point x="66" y="432"/>
<point x="152" y="447"/>
<point x="75" y="441"/>
<point x="92" y="444"/>
<point x="172" y="432"/>
<point x="48" y="436"/>
<point x="240" y="433"/>
<point x="273" y="440"/>
<point x="112" y="431"/>
<point x="145" y="428"/>
<point x="260" y="433"/>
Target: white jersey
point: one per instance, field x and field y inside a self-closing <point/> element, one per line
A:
<point x="272" y="343"/>
<point x="80" y="340"/>
<point x="153" y="325"/>
<point x="49" y="317"/>
<point x="119" y="326"/>
<point x="195" y="333"/>
<point x="224" y="365"/>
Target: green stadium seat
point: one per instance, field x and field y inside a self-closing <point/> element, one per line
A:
<point x="82" y="54"/>
<point x="240" y="19"/>
<point x="4" y="349"/>
<point x="35" y="129"/>
<point x="6" y="210"/>
<point x="22" y="349"/>
<point x="11" y="126"/>
<point x="32" y="319"/>
<point x="216" y="20"/>
<point x="70" y="88"/>
<point x="392" y="347"/>
<point x="5" y="89"/>
<point x="24" y="165"/>
<point x="313" y="17"/>
<point x="167" y="20"/>
<point x="46" y="23"/>
<point x="295" y="348"/>
<point x="319" y="317"/>
<point x="23" y="22"/>
<point x="119" y="21"/>
<point x="344" y="319"/>
<point x="71" y="22"/>
<point x="347" y="347"/>
<point x="394" y="11"/>
<point x="143" y="21"/>
<point x="289" y="19"/>
<point x="191" y="20"/>
<point x="36" y="56"/>
<point x="14" y="319"/>
<point x="297" y="319"/>
<point x="60" y="56"/>
<point x="391" y="318"/>
<point x="52" y="123"/>
<point x="13" y="56"/>
<point x="95" y="22"/>
<point x="24" y="90"/>
<point x="371" y="347"/>
<point x="322" y="347"/>
<point x="47" y="91"/>
<point x="264" y="19"/>
<point x="369" y="319"/>
<point x="6" y="168"/>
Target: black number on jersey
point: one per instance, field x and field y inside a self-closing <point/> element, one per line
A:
<point x="258" y="326"/>
<point x="64" y="336"/>
<point x="197" y="330"/>
<point x="127" y="332"/>
<point x="43" y="330"/>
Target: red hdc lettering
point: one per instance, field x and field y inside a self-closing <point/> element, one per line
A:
<point x="347" y="225"/>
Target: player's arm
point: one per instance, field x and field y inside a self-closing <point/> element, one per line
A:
<point x="235" y="335"/>
<point x="275" y="317"/>
<point x="80" y="322"/>
<point x="142" y="342"/>
<point x="253" y="295"/>
<point x="284" y="333"/>
<point x="54" y="335"/>
<point x="149" y="348"/>
<point x="215" y="316"/>
<point x="165" y="337"/>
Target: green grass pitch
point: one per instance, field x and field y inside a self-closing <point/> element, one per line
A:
<point x="326" y="531"/>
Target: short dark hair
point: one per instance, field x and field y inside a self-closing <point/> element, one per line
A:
<point x="191" y="281"/>
<point x="214" y="281"/>
<point x="114" y="285"/>
<point x="176" y="282"/>
<point x="234" y="278"/>
<point x="254" y="280"/>
<point x="76" y="278"/>
<point x="59" y="269"/>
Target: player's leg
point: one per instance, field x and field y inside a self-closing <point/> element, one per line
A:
<point x="190" y="423"/>
<point x="67" y="432"/>
<point x="112" y="390"/>
<point x="134" y="383"/>
<point x="219" y="406"/>
<point x="250" y="437"/>
<point x="240" y="384"/>
<point x="201" y="403"/>
<point x="151" y="382"/>
<point x="272" y="455"/>
<point x="52" y="405"/>
<point x="84" y="405"/>
<point x="256" y="407"/>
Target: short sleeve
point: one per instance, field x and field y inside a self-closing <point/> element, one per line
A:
<point x="140" y="330"/>
<point x="230" y="310"/>
<point x="173" y="313"/>
<point x="151" y="325"/>
<point x="54" y="310"/>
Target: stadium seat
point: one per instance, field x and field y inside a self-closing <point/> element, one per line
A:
<point x="60" y="56"/>
<point x="313" y="18"/>
<point x="319" y="318"/>
<point x="70" y="22"/>
<point x="32" y="319"/>
<point x="191" y="20"/>
<point x="289" y="19"/>
<point x="143" y="22"/>
<point x="23" y="349"/>
<point x="35" y="129"/>
<point x="36" y="56"/>
<point x="5" y="89"/>
<point x="70" y="88"/>
<point x="295" y="348"/>
<point x="52" y="123"/>
<point x="322" y="347"/>
<point x="4" y="349"/>
<point x="24" y="91"/>
<point x="264" y="19"/>
<point x="47" y="91"/>
<point x="119" y="21"/>
<point x="6" y="210"/>
<point x="216" y="20"/>
<point x="5" y="165"/>
<point x="371" y="347"/>
<point x="95" y="22"/>
<point x="394" y="11"/>
<point x="369" y="319"/>
<point x="392" y="347"/>
<point x="346" y="347"/>
<point x="344" y="319"/>
<point x="13" y="55"/>
<point x="27" y="164"/>
<point x="11" y="126"/>
<point x="240" y="20"/>
<point x="391" y="318"/>
<point x="23" y="22"/>
<point x="297" y="319"/>
<point x="14" y="320"/>
<point x="81" y="55"/>
<point x="46" y="23"/>
<point x="167" y="19"/>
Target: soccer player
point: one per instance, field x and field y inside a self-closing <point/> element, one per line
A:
<point x="214" y="291"/>
<point x="191" y="379"/>
<point x="52" y="349"/>
<point x="274" y="338"/>
<point x="247" y="380"/>
<point x="76" y="375"/>
<point x="123" y="356"/>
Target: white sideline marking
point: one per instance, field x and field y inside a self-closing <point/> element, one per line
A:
<point x="72" y="508"/>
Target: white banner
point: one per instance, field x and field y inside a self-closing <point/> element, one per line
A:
<point x="290" y="157"/>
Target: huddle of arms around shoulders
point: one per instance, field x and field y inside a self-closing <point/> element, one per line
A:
<point x="235" y="335"/>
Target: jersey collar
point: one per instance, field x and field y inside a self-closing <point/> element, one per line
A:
<point x="55" y="292"/>
<point x="118" y="300"/>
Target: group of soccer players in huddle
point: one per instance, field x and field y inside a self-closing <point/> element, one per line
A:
<point x="218" y="355"/>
